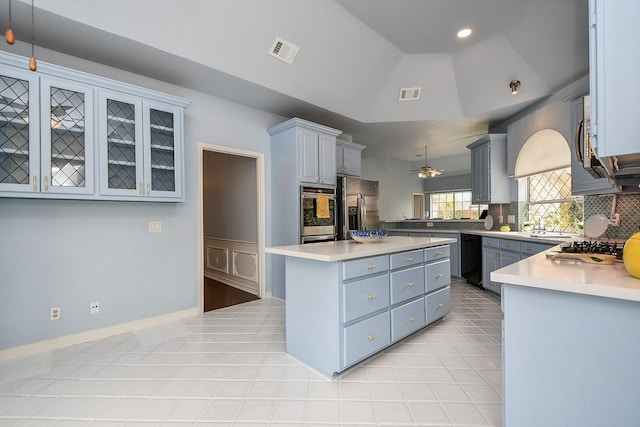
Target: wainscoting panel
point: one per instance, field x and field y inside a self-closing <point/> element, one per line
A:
<point x="232" y="262"/>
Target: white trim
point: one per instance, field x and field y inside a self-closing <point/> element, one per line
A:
<point x="261" y="215"/>
<point x="95" y="334"/>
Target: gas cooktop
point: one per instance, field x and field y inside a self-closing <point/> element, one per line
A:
<point x="594" y="247"/>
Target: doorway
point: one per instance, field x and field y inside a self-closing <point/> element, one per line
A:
<point x="232" y="226"/>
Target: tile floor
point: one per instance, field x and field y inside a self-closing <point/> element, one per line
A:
<point x="228" y="368"/>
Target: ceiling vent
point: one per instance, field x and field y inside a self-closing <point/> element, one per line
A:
<point x="284" y="50"/>
<point x="409" y="93"/>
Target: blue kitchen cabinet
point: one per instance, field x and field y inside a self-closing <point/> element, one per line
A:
<point x="454" y="248"/>
<point x="348" y="158"/>
<point x="340" y="313"/>
<point x="489" y="180"/>
<point x="614" y="76"/>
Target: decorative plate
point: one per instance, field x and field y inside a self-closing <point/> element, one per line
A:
<point x="595" y="226"/>
<point x="488" y="222"/>
<point x="368" y="236"/>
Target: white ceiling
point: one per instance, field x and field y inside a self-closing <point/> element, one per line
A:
<point x="354" y="57"/>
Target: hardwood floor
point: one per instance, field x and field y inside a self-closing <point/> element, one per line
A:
<point x="218" y="295"/>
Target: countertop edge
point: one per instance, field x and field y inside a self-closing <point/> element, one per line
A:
<point x="348" y="249"/>
<point x="514" y="235"/>
<point x="609" y="281"/>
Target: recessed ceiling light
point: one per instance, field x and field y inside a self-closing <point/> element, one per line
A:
<point x="464" y="33"/>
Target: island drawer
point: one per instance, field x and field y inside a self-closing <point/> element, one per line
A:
<point x="366" y="338"/>
<point x="365" y="296"/>
<point x="438" y="304"/>
<point x="365" y="266"/>
<point x="435" y="253"/>
<point x="407" y="319"/>
<point x="406" y="284"/>
<point x="437" y="275"/>
<point x="407" y="259"/>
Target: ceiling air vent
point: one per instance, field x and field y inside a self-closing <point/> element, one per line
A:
<point x="409" y="93"/>
<point x="284" y="50"/>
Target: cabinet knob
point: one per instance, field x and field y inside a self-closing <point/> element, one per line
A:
<point x="527" y="248"/>
<point x="440" y="276"/>
<point x="371" y="266"/>
<point x="440" y="253"/>
<point x="507" y="245"/>
<point x="411" y="319"/>
<point x="411" y="284"/>
<point x="440" y="305"/>
<point x="370" y="297"/>
<point x="35" y="183"/>
<point x="410" y="259"/>
<point x="372" y="337"/>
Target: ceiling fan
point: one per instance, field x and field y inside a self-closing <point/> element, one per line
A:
<point x="427" y="171"/>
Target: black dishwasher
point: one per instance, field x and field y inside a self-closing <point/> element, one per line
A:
<point x="471" y="258"/>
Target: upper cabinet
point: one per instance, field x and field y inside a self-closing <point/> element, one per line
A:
<point x="348" y="158"/>
<point x="315" y="148"/>
<point x="613" y="76"/>
<point x="67" y="134"/>
<point x="489" y="181"/>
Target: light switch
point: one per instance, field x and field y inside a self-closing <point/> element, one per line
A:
<point x="511" y="219"/>
<point x="155" y="226"/>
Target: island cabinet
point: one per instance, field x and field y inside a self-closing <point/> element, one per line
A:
<point x="340" y="313"/>
<point x="55" y="143"/>
<point x="454" y="248"/>
<point x="489" y="180"/>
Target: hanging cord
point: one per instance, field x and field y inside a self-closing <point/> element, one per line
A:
<point x="8" y="35"/>
<point x="33" y="66"/>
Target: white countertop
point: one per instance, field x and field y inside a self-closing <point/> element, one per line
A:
<point x="348" y="249"/>
<point x="611" y="281"/>
<point x="515" y="235"/>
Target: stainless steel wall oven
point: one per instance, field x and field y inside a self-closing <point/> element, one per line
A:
<point x="317" y="214"/>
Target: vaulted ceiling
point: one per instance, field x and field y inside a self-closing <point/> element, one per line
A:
<point x="354" y="57"/>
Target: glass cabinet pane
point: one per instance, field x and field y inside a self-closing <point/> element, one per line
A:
<point x="121" y="143"/>
<point x="163" y="167"/>
<point x="68" y="158"/>
<point x="14" y="130"/>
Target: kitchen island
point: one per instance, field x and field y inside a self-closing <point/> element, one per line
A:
<point x="571" y="346"/>
<point x="346" y="301"/>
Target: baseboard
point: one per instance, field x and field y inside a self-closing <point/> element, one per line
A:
<point x="67" y="340"/>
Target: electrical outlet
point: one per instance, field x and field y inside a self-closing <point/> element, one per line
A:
<point x="54" y="313"/>
<point x="94" y="307"/>
<point x="511" y="219"/>
<point x="429" y="224"/>
<point x="155" y="226"/>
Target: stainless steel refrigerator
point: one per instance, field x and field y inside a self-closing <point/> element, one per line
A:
<point x="357" y="206"/>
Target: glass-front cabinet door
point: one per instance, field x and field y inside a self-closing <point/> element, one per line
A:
<point x="19" y="141"/>
<point x="121" y="145"/>
<point x="163" y="154"/>
<point x="67" y="158"/>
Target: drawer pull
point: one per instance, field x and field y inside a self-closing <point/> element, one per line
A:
<point x="439" y="253"/>
<point x="527" y="248"/>
<point x="371" y="266"/>
<point x="440" y="305"/>
<point x="412" y="318"/>
<point x="46" y="183"/>
<point x="440" y="276"/>
<point x="372" y="337"/>
<point x="507" y="245"/>
<point x="370" y="297"/>
<point x="410" y="259"/>
<point x="411" y="284"/>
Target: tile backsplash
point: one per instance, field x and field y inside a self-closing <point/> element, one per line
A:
<point x="627" y="205"/>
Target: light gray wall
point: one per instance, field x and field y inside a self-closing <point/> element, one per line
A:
<point x="396" y="185"/>
<point x="59" y="253"/>
<point x="230" y="197"/>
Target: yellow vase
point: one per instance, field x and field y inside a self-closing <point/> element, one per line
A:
<point x="631" y="255"/>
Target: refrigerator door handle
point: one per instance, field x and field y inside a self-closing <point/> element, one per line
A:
<point x="362" y="212"/>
